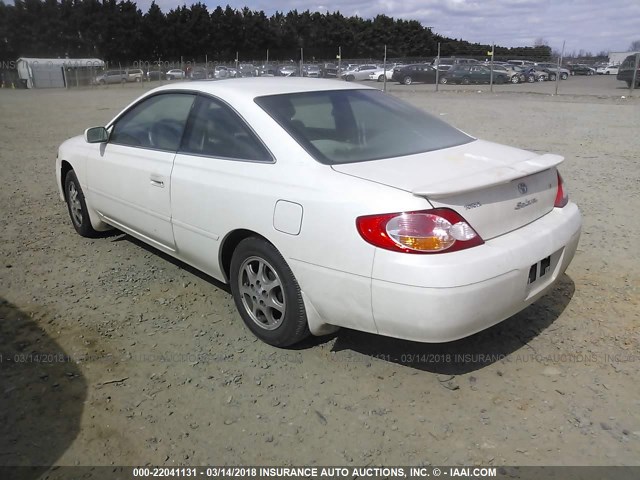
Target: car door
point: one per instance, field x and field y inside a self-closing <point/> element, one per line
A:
<point x="213" y="181"/>
<point x="128" y="177"/>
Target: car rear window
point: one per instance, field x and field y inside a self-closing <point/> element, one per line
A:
<point x="346" y="126"/>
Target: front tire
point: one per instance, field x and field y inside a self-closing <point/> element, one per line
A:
<point x="515" y="79"/>
<point x="381" y="78"/>
<point x="267" y="294"/>
<point x="350" y="78"/>
<point x="466" y="81"/>
<point x="444" y="80"/>
<point x="563" y="76"/>
<point x="407" y="80"/>
<point x="77" y="206"/>
<point x="552" y="77"/>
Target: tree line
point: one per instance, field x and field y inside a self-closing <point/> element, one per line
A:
<point x="121" y="32"/>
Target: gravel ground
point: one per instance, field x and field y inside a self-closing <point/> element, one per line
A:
<point x="113" y="353"/>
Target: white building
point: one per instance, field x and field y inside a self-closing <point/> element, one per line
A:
<point x="616" y="58"/>
<point x="56" y="72"/>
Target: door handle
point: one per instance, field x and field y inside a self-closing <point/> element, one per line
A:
<point x="157" y="183"/>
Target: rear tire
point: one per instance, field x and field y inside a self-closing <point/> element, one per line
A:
<point x="515" y="79"/>
<point x="531" y="78"/>
<point x="267" y="294"/>
<point x="465" y="81"/>
<point x="552" y="77"/>
<point x="444" y="80"/>
<point x="77" y="206"/>
<point x="350" y="78"/>
<point x="381" y="78"/>
<point x="563" y="76"/>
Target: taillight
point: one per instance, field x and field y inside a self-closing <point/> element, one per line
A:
<point x="562" y="197"/>
<point x="428" y="231"/>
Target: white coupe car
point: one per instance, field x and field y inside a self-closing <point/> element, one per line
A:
<point x="327" y="204"/>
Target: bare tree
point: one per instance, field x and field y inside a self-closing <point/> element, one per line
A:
<point x="540" y="42"/>
<point x="635" y="46"/>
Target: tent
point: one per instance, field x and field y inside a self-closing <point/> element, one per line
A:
<point x="56" y="72"/>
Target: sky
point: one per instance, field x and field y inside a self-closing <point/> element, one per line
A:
<point x="589" y="25"/>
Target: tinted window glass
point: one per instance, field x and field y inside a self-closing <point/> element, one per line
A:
<point x="157" y="122"/>
<point x="217" y="131"/>
<point x="346" y="126"/>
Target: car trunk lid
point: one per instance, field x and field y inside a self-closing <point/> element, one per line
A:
<point x="496" y="188"/>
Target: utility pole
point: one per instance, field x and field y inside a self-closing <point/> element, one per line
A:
<point x="384" y="66"/>
<point x="559" y="63"/>
<point x="438" y="68"/>
<point x="493" y="49"/>
<point x="301" y="61"/>
<point x="634" y="79"/>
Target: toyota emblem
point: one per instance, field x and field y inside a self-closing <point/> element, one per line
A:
<point x="522" y="188"/>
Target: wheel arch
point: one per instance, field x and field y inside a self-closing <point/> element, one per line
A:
<point x="228" y="246"/>
<point x="65" y="167"/>
<point x="97" y="224"/>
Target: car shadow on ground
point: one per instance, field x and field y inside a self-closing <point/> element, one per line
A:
<point x="118" y="236"/>
<point x="451" y="358"/>
<point x="42" y="394"/>
<point x="468" y="354"/>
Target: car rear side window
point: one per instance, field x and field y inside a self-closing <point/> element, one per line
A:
<point x="157" y="122"/>
<point x="345" y="126"/>
<point x="215" y="130"/>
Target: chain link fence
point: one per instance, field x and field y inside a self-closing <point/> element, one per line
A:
<point x="480" y="73"/>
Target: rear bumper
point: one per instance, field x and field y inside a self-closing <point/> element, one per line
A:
<point x="439" y="298"/>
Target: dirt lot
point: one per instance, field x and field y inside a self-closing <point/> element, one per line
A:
<point x="114" y="354"/>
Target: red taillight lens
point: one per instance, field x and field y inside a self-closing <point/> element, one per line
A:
<point x="562" y="197"/>
<point x="427" y="231"/>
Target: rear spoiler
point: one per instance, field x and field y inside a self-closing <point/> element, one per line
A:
<point x="489" y="178"/>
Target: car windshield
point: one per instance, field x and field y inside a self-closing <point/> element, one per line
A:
<point x="346" y="126"/>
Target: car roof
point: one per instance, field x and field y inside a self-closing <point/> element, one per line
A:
<point x="260" y="86"/>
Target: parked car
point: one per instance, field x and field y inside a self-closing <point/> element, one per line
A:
<point x="135" y="75"/>
<point x="267" y="71"/>
<point x="513" y="73"/>
<point x="417" y="72"/>
<point x="580" y="69"/>
<point x="312" y="71"/>
<point x="611" y="70"/>
<point x="466" y="74"/>
<point x="553" y="70"/>
<point x="533" y="73"/>
<point x="175" y="74"/>
<point x="379" y="74"/>
<point x="520" y="63"/>
<point x="248" y="70"/>
<point x="445" y="64"/>
<point x="625" y="72"/>
<point x="329" y="70"/>
<point x="199" y="73"/>
<point x="112" y="76"/>
<point x="361" y="72"/>
<point x="426" y="222"/>
<point x="288" y="71"/>
<point x="220" y="71"/>
<point x="154" y="75"/>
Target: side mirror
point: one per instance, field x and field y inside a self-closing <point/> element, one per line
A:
<point x="96" y="135"/>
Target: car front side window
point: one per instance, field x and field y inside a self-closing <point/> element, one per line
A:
<point x="157" y="122"/>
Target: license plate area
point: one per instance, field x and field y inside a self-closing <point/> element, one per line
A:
<point x="539" y="270"/>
